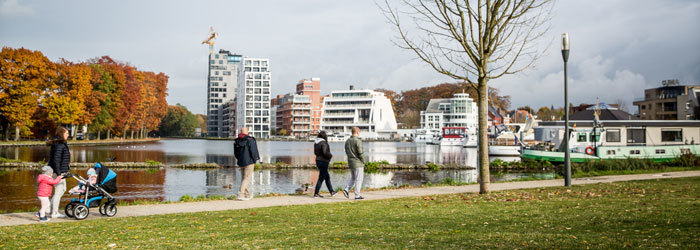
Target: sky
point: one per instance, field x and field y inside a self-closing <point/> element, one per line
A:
<point x="618" y="47"/>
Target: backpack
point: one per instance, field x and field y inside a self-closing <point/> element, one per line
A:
<point x="238" y="148"/>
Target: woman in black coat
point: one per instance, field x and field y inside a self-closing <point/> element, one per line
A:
<point x="323" y="158"/>
<point x="59" y="160"/>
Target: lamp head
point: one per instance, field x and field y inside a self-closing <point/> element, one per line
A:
<point x="565" y="41"/>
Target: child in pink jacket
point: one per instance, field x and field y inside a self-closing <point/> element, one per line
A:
<point x="45" y="186"/>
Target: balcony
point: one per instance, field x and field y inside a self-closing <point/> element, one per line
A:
<point x="348" y="106"/>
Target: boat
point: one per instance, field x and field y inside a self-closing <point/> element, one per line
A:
<point x="425" y="135"/>
<point x="453" y="136"/>
<point x="504" y="150"/>
<point x="657" y="140"/>
<point x="337" y="137"/>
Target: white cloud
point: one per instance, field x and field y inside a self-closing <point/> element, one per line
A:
<point x="14" y="8"/>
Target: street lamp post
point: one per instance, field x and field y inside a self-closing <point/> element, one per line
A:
<point x="567" y="153"/>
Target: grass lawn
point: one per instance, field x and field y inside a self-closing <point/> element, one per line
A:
<point x="658" y="214"/>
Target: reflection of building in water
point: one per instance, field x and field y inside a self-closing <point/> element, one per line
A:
<point x="463" y="176"/>
<point x="377" y="180"/>
<point x="224" y="160"/>
<point x="179" y="182"/>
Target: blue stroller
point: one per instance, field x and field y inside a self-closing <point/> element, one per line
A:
<point x="94" y="195"/>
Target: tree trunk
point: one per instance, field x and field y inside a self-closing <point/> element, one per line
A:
<point x="132" y="134"/>
<point x="16" y="133"/>
<point x="109" y="133"/>
<point x="483" y="149"/>
<point x="99" y="132"/>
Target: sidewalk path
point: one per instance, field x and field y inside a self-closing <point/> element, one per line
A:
<point x="187" y="207"/>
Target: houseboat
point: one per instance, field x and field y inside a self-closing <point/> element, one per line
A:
<point x="658" y="140"/>
<point x="453" y="136"/>
<point x="426" y="135"/>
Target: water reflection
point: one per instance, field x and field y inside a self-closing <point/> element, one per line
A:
<point x="179" y="151"/>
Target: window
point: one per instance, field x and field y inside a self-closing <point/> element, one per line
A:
<point x="595" y="137"/>
<point x="660" y="151"/>
<point x="634" y="152"/>
<point x="227" y="73"/>
<point x="221" y="61"/>
<point x="611" y="152"/>
<point x="612" y="135"/>
<point x="636" y="136"/>
<point x="217" y="56"/>
<point x="216" y="73"/>
<point x="671" y="135"/>
<point x="581" y="137"/>
<point x="213" y="61"/>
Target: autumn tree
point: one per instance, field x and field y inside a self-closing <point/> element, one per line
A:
<point x="67" y="104"/>
<point x="474" y="42"/>
<point x="25" y="78"/>
<point x="178" y="121"/>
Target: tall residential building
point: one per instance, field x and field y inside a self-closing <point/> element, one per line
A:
<point x="224" y="69"/>
<point x="671" y="101"/>
<point x="369" y="110"/>
<point x="294" y="115"/>
<point x="228" y="111"/>
<point x="312" y="89"/>
<point x="458" y="111"/>
<point x="253" y="100"/>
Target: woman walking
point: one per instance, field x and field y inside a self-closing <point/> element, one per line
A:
<point x="323" y="157"/>
<point x="59" y="160"/>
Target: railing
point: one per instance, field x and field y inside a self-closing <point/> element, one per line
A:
<point x="331" y="106"/>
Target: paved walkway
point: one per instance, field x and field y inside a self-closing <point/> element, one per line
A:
<point x="144" y="210"/>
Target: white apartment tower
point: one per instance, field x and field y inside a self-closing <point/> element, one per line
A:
<point x="253" y="102"/>
<point x="224" y="69"/>
<point x="369" y="110"/>
<point x="458" y="111"/>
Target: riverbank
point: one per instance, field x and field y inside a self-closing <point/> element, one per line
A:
<point x="78" y="142"/>
<point x="276" y="139"/>
<point x="114" y="165"/>
<point x="644" y="214"/>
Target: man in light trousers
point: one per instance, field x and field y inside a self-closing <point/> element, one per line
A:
<point x="356" y="162"/>
<point x="245" y="149"/>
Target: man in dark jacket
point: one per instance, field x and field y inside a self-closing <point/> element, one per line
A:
<point x="246" y="151"/>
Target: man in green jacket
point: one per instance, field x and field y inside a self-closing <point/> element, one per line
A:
<point x="356" y="162"/>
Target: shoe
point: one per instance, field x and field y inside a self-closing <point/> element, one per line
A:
<point x="333" y="194"/>
<point x="44" y="219"/>
<point x="55" y="216"/>
<point x="359" y="198"/>
<point x="37" y="215"/>
<point x="345" y="192"/>
<point x="318" y="196"/>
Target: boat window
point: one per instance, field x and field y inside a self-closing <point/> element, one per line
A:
<point x="660" y="151"/>
<point x="634" y="152"/>
<point x="636" y="136"/>
<point x="611" y="152"/>
<point x="612" y="135"/>
<point x="671" y="135"/>
<point x="595" y="137"/>
<point x="685" y="151"/>
<point x="581" y="137"/>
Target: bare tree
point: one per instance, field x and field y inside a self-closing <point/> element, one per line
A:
<point x="473" y="41"/>
<point x="622" y="105"/>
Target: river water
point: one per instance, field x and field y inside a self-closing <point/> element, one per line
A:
<point x="18" y="187"/>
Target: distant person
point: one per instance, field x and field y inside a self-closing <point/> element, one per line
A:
<point x="46" y="183"/>
<point x="356" y="163"/>
<point x="246" y="151"/>
<point x="59" y="160"/>
<point x="323" y="157"/>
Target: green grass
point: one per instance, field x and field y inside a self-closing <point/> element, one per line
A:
<point x="592" y="173"/>
<point x="642" y="214"/>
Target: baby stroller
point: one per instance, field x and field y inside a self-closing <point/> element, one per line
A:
<point x="95" y="194"/>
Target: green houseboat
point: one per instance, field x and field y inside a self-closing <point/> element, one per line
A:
<point x="616" y="139"/>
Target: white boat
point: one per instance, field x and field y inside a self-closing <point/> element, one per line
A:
<point x="337" y="138"/>
<point x="502" y="150"/>
<point x="426" y="135"/>
<point x="453" y="136"/>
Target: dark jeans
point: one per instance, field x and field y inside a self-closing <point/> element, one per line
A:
<point x="323" y="175"/>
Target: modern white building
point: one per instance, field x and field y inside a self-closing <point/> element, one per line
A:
<point x="458" y="111"/>
<point x="224" y="69"/>
<point x="228" y="111"/>
<point x="253" y="99"/>
<point x="369" y="110"/>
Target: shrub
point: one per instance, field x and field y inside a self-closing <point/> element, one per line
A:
<point x="433" y="167"/>
<point x="153" y="163"/>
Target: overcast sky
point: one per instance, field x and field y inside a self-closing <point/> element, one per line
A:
<point x="618" y="48"/>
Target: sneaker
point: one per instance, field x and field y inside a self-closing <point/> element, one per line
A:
<point x="333" y="194"/>
<point x="318" y="196"/>
<point x="55" y="216"/>
<point x="359" y="198"/>
<point x="345" y="192"/>
<point x="44" y="219"/>
<point x="37" y="215"/>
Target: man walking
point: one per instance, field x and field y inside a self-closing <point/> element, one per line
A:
<point x="246" y="151"/>
<point x="356" y="162"/>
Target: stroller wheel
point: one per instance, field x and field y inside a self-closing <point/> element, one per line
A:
<point x="69" y="209"/>
<point x="110" y="209"/>
<point x="80" y="211"/>
<point x="102" y="208"/>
